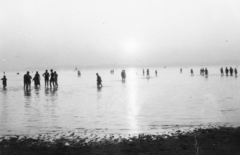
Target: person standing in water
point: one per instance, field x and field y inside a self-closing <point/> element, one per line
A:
<point x="156" y="72"/>
<point x="226" y="71"/>
<point x="123" y="74"/>
<point x="52" y="78"/>
<point x="221" y="70"/>
<point x="235" y="71"/>
<point x="192" y="72"/>
<point x="4" y="82"/>
<point x="56" y="79"/>
<point x="181" y="70"/>
<point x="46" y="78"/>
<point x="36" y="79"/>
<point x="148" y="75"/>
<point x="99" y="81"/>
<point x="231" y="71"/>
<point x="27" y="81"/>
<point x="206" y="72"/>
<point x="143" y="72"/>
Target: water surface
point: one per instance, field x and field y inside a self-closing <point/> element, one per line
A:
<point x="138" y="105"/>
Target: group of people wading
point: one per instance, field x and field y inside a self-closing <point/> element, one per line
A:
<point x="50" y="78"/>
<point x="230" y="71"/>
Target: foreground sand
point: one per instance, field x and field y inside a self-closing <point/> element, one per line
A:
<point x="211" y="141"/>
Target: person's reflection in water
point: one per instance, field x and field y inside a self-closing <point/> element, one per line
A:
<point x="54" y="95"/>
<point x="27" y="96"/>
<point x="36" y="90"/>
<point x="47" y="90"/>
<point x="99" y="94"/>
<point x="54" y="91"/>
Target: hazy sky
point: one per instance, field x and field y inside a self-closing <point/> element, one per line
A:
<point x="60" y="33"/>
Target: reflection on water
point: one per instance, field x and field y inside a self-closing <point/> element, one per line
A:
<point x="133" y="106"/>
<point x="136" y="105"/>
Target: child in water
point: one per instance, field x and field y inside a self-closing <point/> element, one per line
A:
<point x="4" y="82"/>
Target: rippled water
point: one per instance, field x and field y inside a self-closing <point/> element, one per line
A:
<point x="139" y="105"/>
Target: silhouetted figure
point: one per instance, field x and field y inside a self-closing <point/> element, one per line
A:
<point x="226" y="71"/>
<point x="202" y="71"/>
<point x="192" y="72"/>
<point x="221" y="70"/>
<point x="235" y="71"/>
<point x="4" y="82"/>
<point x="206" y="72"/>
<point x="143" y="72"/>
<point x="56" y="79"/>
<point x="52" y="78"/>
<point x="181" y="70"/>
<point x="79" y="73"/>
<point x="156" y="72"/>
<point x="99" y="81"/>
<point x="148" y="74"/>
<point x="231" y="71"/>
<point x="27" y="81"/>
<point x="123" y="74"/>
<point x="36" y="79"/>
<point x="46" y="78"/>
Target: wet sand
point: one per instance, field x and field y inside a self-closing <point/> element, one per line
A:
<point x="201" y="141"/>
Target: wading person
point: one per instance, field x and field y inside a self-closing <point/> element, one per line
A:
<point x="99" y="81"/>
<point x="226" y="71"/>
<point x="192" y="72"/>
<point x="46" y="78"/>
<point x="52" y="79"/>
<point x="56" y="79"/>
<point x="36" y="79"/>
<point x="4" y="82"/>
<point x="221" y="70"/>
<point x="123" y="74"/>
<point x="27" y="81"/>
<point x="148" y="75"/>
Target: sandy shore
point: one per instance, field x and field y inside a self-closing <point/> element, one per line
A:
<point x="207" y="141"/>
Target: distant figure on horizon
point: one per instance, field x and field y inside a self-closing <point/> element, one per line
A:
<point x="192" y="72"/>
<point x="202" y="71"/>
<point x="99" y="81"/>
<point x="143" y="72"/>
<point x="156" y="72"/>
<point x="56" y="79"/>
<point x="112" y="71"/>
<point x="221" y="70"/>
<point x="46" y="78"/>
<point x="206" y="72"/>
<point x="52" y="78"/>
<point x="123" y="74"/>
<point x="4" y="82"/>
<point x="79" y="73"/>
<point x="181" y="70"/>
<point x="226" y="71"/>
<point x="235" y="71"/>
<point x="148" y="74"/>
<point x="231" y="71"/>
<point x="36" y="79"/>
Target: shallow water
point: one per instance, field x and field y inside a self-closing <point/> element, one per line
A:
<point x="138" y="105"/>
